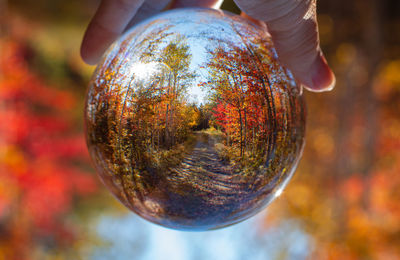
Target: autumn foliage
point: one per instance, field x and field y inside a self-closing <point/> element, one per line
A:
<point x="42" y="155"/>
<point x="345" y="194"/>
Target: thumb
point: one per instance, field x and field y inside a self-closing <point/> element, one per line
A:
<point x="294" y="31"/>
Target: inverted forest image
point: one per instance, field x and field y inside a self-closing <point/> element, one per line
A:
<point x="341" y="203"/>
<point x="192" y="126"/>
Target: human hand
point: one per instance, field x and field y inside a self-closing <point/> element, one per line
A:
<point x="293" y="27"/>
<point x="291" y="23"/>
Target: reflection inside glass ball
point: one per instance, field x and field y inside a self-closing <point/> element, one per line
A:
<point x="191" y="122"/>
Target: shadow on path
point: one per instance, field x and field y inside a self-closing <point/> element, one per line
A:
<point x="207" y="173"/>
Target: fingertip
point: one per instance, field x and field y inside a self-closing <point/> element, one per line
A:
<point x="317" y="78"/>
<point x="322" y="77"/>
<point x="95" y="42"/>
<point x="85" y="55"/>
<point x="108" y="23"/>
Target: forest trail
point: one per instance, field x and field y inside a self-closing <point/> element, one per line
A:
<point x="206" y="172"/>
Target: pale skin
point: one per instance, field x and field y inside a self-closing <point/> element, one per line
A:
<point x="291" y="23"/>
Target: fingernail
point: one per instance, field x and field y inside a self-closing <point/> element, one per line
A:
<point x="322" y="77"/>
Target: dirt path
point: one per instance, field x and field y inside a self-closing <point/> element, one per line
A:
<point x="206" y="172"/>
<point x="204" y="189"/>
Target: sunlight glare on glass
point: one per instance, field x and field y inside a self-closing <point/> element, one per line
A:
<point x="144" y="70"/>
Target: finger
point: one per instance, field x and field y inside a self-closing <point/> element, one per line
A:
<point x="294" y="31"/>
<point x="148" y="9"/>
<point x="152" y="7"/>
<point x="198" y="3"/>
<point x="108" y="23"/>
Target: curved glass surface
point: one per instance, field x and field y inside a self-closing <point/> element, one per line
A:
<point x="191" y="122"/>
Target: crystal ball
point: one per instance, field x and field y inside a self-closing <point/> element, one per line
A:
<point x="191" y="121"/>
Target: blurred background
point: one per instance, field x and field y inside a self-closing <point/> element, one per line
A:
<point x="343" y="202"/>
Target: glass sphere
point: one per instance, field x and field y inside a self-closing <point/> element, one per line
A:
<point x="191" y="121"/>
